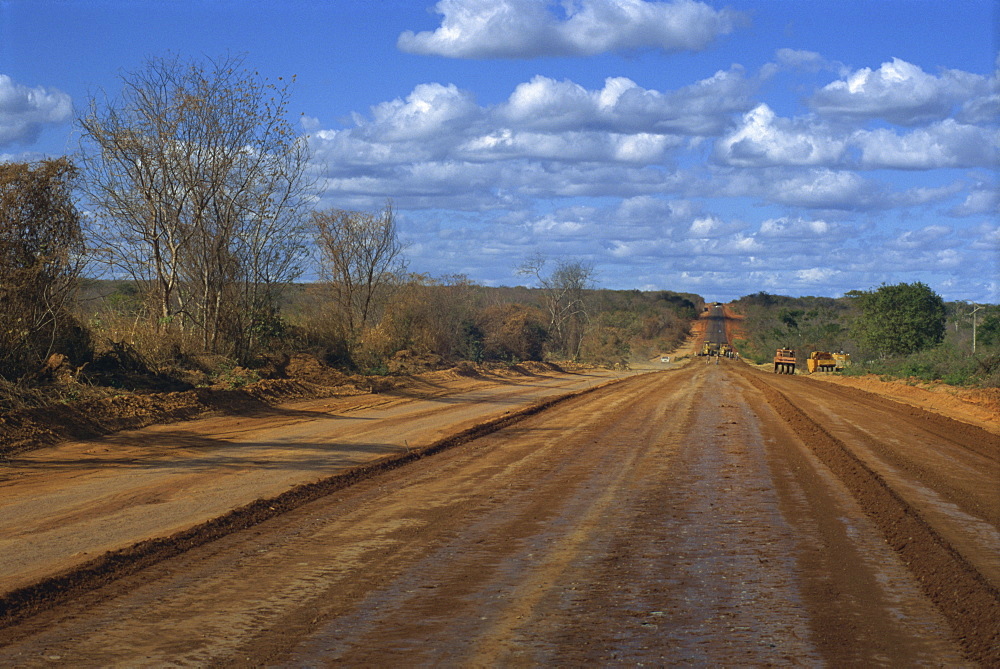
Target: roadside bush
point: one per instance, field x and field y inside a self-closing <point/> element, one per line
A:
<point x="941" y="363"/>
<point x="988" y="371"/>
<point x="899" y="319"/>
<point x="41" y="253"/>
<point x="512" y="333"/>
<point x="606" y="346"/>
<point x="371" y="355"/>
<point x="314" y="326"/>
<point x="436" y="317"/>
<point x="233" y="376"/>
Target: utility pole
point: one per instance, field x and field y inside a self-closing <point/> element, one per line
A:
<point x="973" y="314"/>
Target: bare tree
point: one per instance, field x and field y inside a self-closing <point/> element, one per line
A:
<point x="361" y="258"/>
<point x="41" y="254"/>
<point x="564" y="290"/>
<point x="201" y="187"/>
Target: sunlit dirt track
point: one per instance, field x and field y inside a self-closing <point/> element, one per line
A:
<point x="710" y="515"/>
<point x="62" y="506"/>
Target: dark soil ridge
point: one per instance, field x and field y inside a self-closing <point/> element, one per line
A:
<point x="25" y="602"/>
<point x="968" y="601"/>
<point x="29" y="429"/>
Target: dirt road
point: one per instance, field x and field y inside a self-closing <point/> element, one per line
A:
<point x="710" y="515"/>
<point x="64" y="505"/>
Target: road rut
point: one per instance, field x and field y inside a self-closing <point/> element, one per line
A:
<point x="696" y="516"/>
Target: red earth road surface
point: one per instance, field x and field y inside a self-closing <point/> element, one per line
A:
<point x="709" y="514"/>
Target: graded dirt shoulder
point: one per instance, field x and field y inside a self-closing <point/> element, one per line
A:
<point x="980" y="406"/>
<point x="64" y="505"/>
<point x="298" y="377"/>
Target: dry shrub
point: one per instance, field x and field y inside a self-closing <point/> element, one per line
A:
<point x="606" y="346"/>
<point x="466" y="368"/>
<point x="373" y="351"/>
<point x="513" y="332"/>
<point x="41" y="250"/>
<point x="411" y="362"/>
<point x="14" y="397"/>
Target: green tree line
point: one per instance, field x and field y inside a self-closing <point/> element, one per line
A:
<point x="902" y="330"/>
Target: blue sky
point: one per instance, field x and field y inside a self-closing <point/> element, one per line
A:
<point x="795" y="147"/>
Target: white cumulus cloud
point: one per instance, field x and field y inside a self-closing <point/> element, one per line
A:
<point x="800" y="59"/>
<point x="764" y="139"/>
<point x="897" y="91"/>
<point x="703" y="108"/>
<point x="988" y="238"/>
<point x="817" y="275"/>
<point x="534" y="28"/>
<point x="982" y="199"/>
<point x="24" y="110"/>
<point x="794" y="228"/>
<point x="929" y="238"/>
<point x="548" y="138"/>
<point x="822" y="189"/>
<point x="709" y="227"/>
<point x="943" y="144"/>
<point x="427" y="112"/>
<point x="506" y="144"/>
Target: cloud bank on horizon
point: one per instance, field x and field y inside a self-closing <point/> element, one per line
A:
<point x="796" y="175"/>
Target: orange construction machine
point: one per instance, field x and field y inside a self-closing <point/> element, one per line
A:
<point x="821" y="361"/>
<point x="784" y="361"/>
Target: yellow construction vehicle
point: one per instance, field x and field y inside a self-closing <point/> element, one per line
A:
<point x="821" y="361"/>
<point x="784" y="361"/>
<point x="841" y="360"/>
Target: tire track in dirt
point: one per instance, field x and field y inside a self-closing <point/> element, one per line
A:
<point x="672" y="518"/>
<point x="537" y="523"/>
<point x="699" y="568"/>
<point x="246" y="554"/>
<point x="50" y="592"/>
<point x="541" y="578"/>
<point x="949" y="474"/>
<point x="967" y="436"/>
<point x="966" y="598"/>
<point x="712" y="564"/>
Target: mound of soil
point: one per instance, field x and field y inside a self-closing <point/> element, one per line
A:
<point x="309" y="369"/>
<point x="285" y="378"/>
<point x="980" y="406"/>
<point x="27" y="429"/>
<point x="304" y="377"/>
<point x="120" y="366"/>
<point x="409" y="362"/>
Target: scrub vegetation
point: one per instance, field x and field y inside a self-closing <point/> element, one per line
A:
<point x="201" y="217"/>
<point x="192" y="199"/>
<point x="900" y="331"/>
